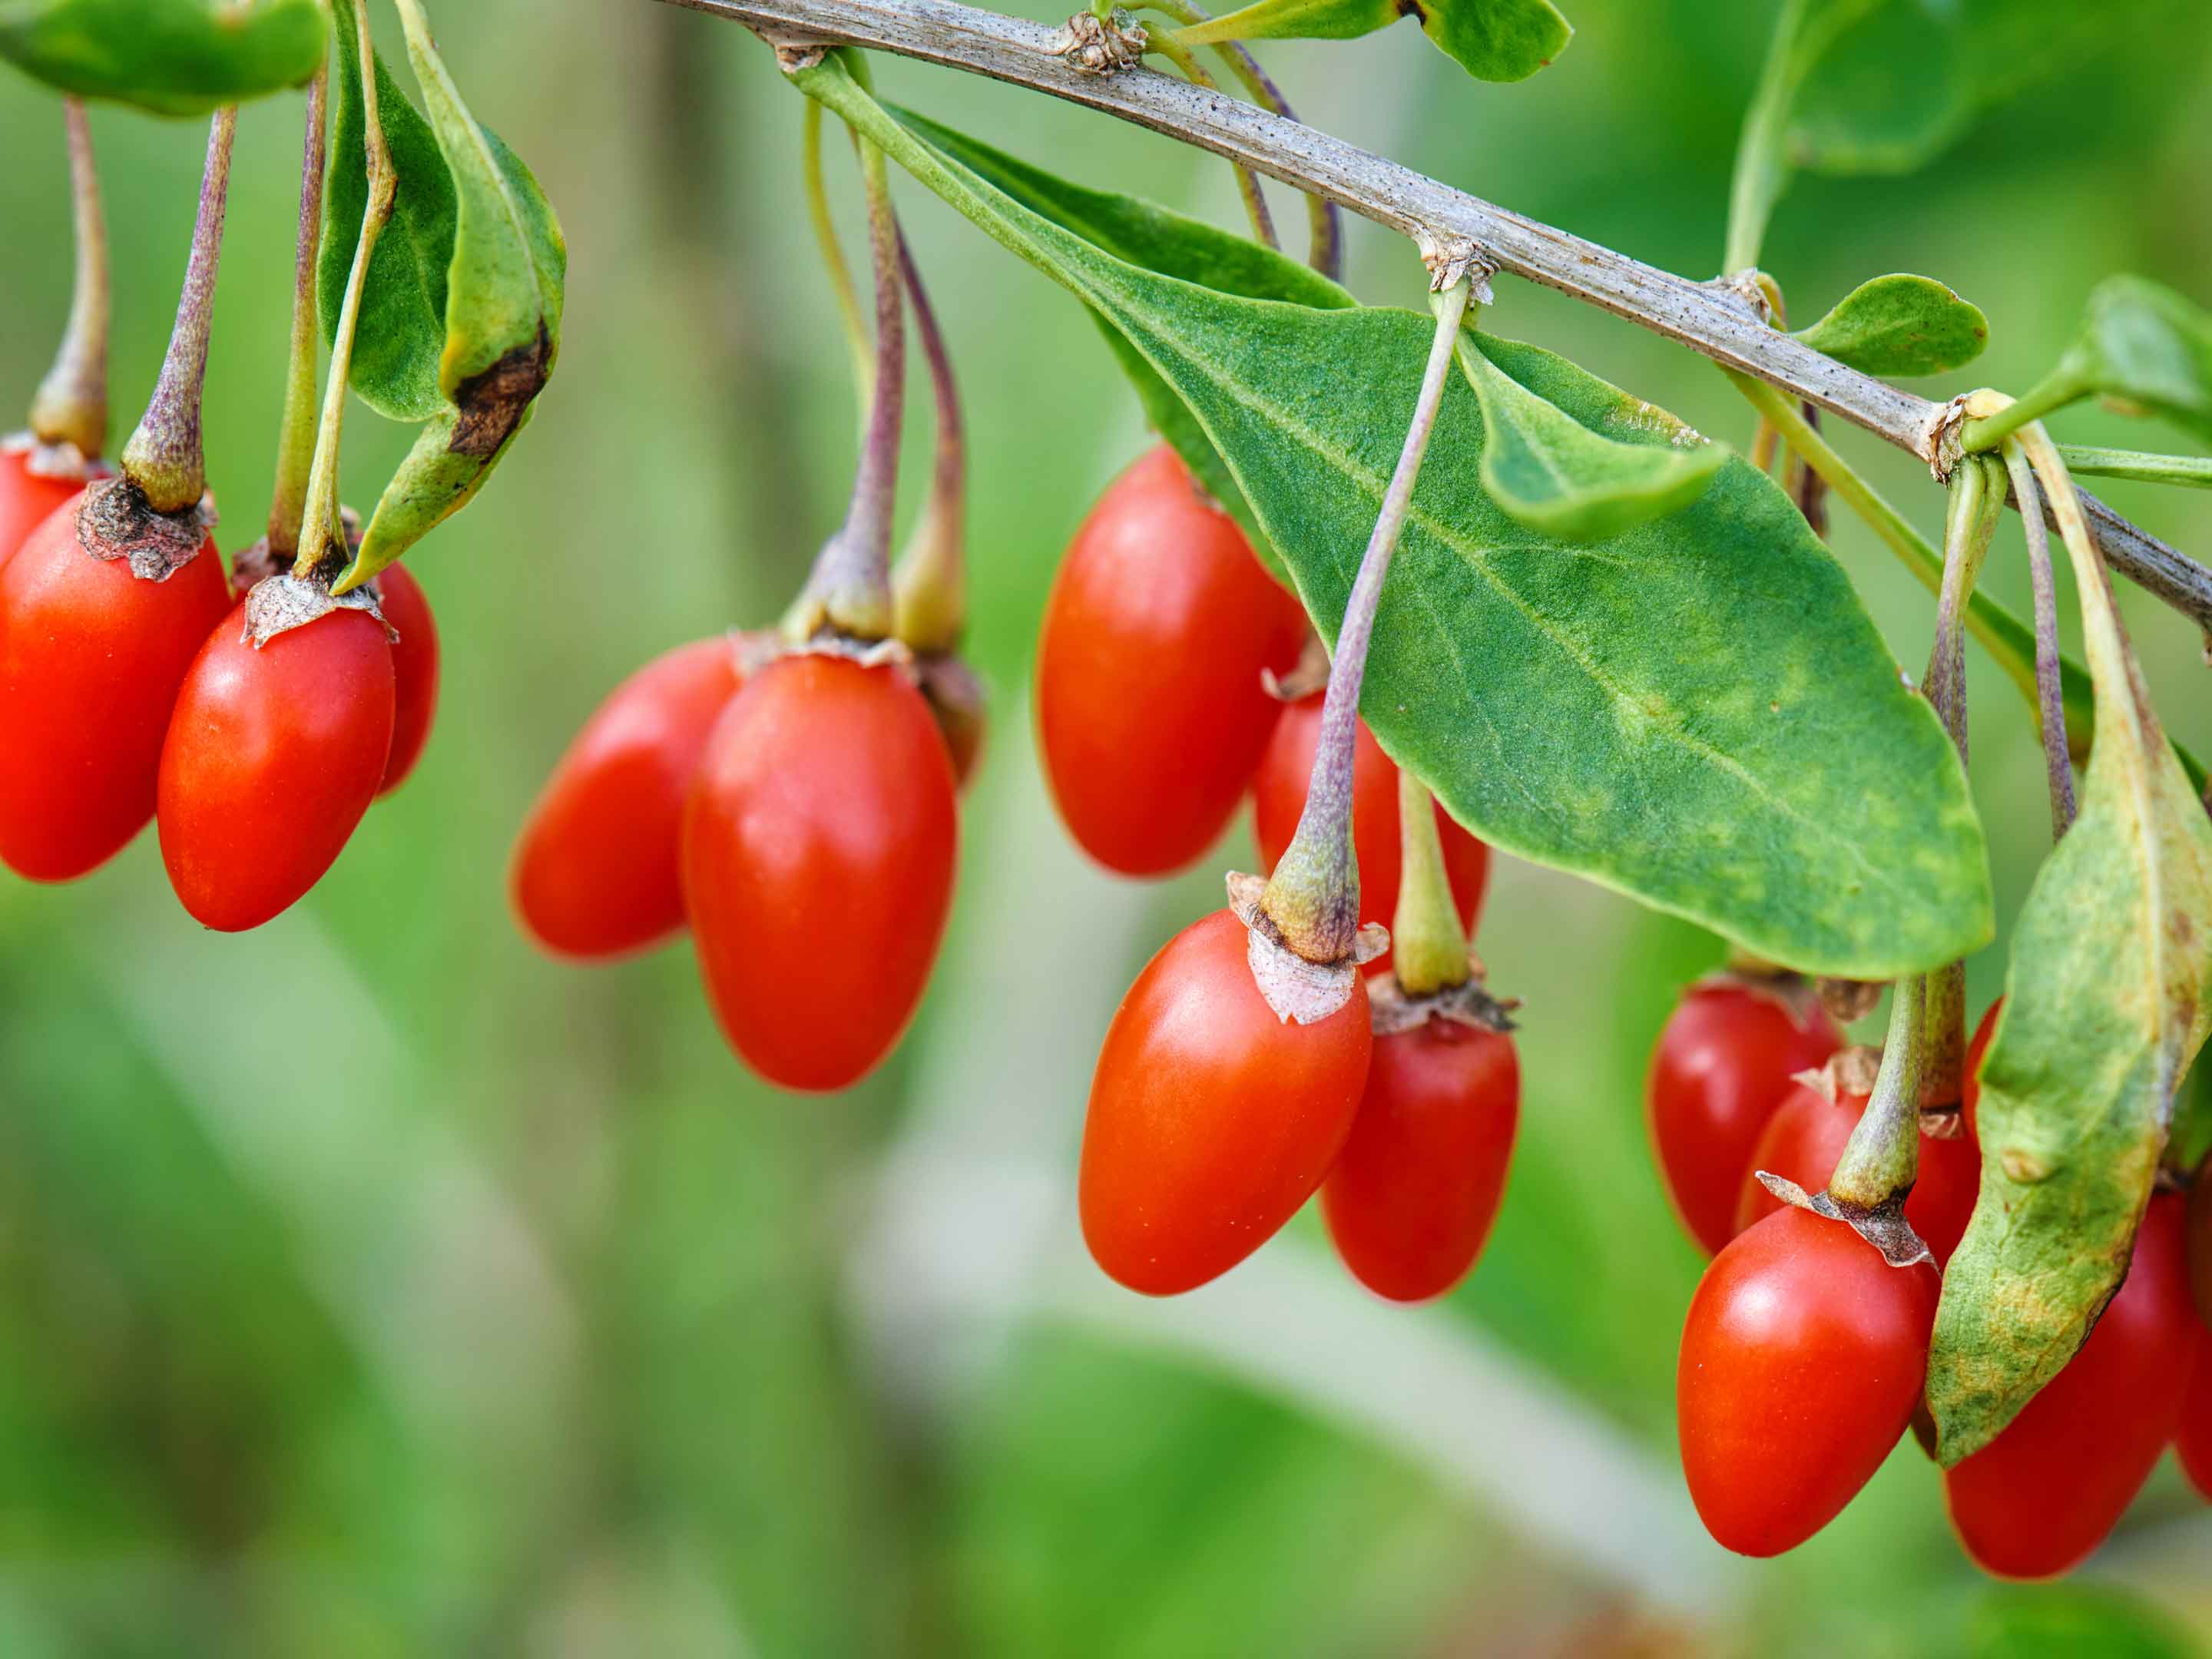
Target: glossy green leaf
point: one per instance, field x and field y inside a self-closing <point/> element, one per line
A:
<point x="2146" y="345"/>
<point x="1491" y="40"/>
<point x="1143" y="235"/>
<point x="2107" y="1000"/>
<point x="469" y="302"/>
<point x="401" y="336"/>
<point x="171" y="56"/>
<point x="1560" y="478"/>
<point x="1900" y="325"/>
<point x="1697" y="712"/>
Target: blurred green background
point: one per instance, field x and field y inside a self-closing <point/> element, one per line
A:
<point x="371" y="1286"/>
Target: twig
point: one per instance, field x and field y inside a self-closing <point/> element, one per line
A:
<point x="1708" y="317"/>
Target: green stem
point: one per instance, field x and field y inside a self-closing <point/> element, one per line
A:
<point x="929" y="588"/>
<point x="2062" y="386"/>
<point x="1324" y="219"/>
<point x="2008" y="640"/>
<point x="70" y="406"/>
<point x="2058" y="763"/>
<point x="1313" y="896"/>
<point x="2194" y="472"/>
<point x="1428" y="947"/>
<point x="164" y="457"/>
<point x="322" y="533"/>
<point x="296" y="441"/>
<point x="1881" y="1159"/>
<point x="833" y="262"/>
<point x="1762" y="164"/>
<point x="1247" y="182"/>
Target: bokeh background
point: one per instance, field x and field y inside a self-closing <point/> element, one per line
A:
<point x="371" y="1286"/>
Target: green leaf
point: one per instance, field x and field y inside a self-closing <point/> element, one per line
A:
<point x="401" y="336"/>
<point x="1697" y="712"/>
<point x="2145" y="344"/>
<point x="171" y="56"/>
<point x="1144" y="235"/>
<point x="1560" y="478"/>
<point x="2107" y="999"/>
<point x="471" y="299"/>
<point x="1900" y="325"/>
<point x="1491" y="40"/>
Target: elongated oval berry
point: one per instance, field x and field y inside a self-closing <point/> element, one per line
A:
<point x="1410" y="1201"/>
<point x="1279" y="796"/>
<point x="2192" y="1440"/>
<point x="1211" y="1120"/>
<point x="414" y="670"/>
<point x="597" y="868"/>
<point x="2199" y="1235"/>
<point x="1151" y="712"/>
<point x="273" y="754"/>
<point x="1802" y="1359"/>
<point x="1804" y="1140"/>
<point x="2038" y="1499"/>
<point x="27" y="499"/>
<point x="818" y="845"/>
<point x="90" y="660"/>
<point x="1723" y="1068"/>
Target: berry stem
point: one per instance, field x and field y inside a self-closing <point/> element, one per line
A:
<point x="2054" y="390"/>
<point x="1428" y="947"/>
<point x="70" y="406"/>
<point x="849" y="590"/>
<point x="2192" y="471"/>
<point x="1313" y="897"/>
<point x="2057" y="764"/>
<point x="1247" y="182"/>
<point x="1881" y="1159"/>
<point x="296" y="441"/>
<point x="164" y="459"/>
<point x="1324" y="219"/>
<point x="832" y="261"/>
<point x="929" y="589"/>
<point x="322" y="535"/>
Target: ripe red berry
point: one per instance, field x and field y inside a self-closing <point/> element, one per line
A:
<point x="90" y="660"/>
<point x="413" y="669"/>
<point x="2039" y="1498"/>
<point x="2200" y="1239"/>
<point x="1151" y="712"/>
<point x="274" y="753"/>
<point x="1412" y="1197"/>
<point x="2192" y="1441"/>
<point x="818" y="857"/>
<point x="1279" y="796"/>
<point x="1720" y="1069"/>
<point x="1802" y="1360"/>
<point x="1804" y="1140"/>
<point x="598" y="869"/>
<point x="1971" y="1097"/>
<point x="1211" y="1119"/>
<point x="27" y="499"/>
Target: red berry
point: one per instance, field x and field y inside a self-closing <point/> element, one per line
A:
<point x="1802" y="1360"/>
<point x="2192" y="1441"/>
<point x="2200" y="1239"/>
<point x="1804" y="1141"/>
<point x="1971" y="1096"/>
<point x="818" y="845"/>
<point x="415" y="672"/>
<point x="27" y="499"/>
<point x="1412" y="1195"/>
<point x="1720" y="1069"/>
<point x="2039" y="1498"/>
<point x="1150" y="709"/>
<point x="598" y="869"/>
<point x="273" y="754"/>
<point x="1279" y="796"/>
<point x="90" y="660"/>
<point x="1211" y="1120"/>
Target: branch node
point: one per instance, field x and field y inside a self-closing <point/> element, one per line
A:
<point x="1452" y="255"/>
<point x="1093" y="46"/>
<point x="794" y="50"/>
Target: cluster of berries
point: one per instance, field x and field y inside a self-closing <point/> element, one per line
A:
<point x="134" y="686"/>
<point x="1805" y="1353"/>
<point x="1165" y="653"/>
